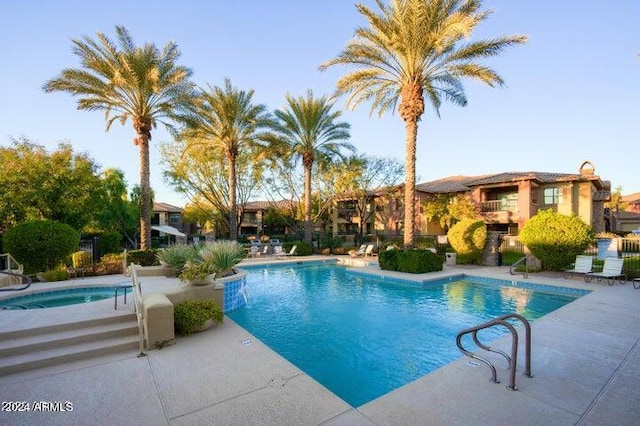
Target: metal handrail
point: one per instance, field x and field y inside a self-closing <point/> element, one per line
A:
<point x="526" y="267"/>
<point x="512" y="359"/>
<point x="22" y="277"/>
<point x="138" y="307"/>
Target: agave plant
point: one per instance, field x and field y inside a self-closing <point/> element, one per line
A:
<point x="177" y="256"/>
<point x="217" y="259"/>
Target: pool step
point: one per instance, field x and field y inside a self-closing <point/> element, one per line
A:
<point x="44" y="346"/>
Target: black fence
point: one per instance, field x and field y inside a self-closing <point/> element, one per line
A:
<point x="628" y="249"/>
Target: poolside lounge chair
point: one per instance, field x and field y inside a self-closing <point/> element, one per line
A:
<point x="611" y="270"/>
<point x="360" y="251"/>
<point x="278" y="251"/>
<point x="369" y="250"/>
<point x="264" y="251"/>
<point x="583" y="265"/>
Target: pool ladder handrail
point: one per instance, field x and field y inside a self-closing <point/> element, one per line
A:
<point x="526" y="267"/>
<point x="138" y="308"/>
<point x="513" y="359"/>
<point x="25" y="281"/>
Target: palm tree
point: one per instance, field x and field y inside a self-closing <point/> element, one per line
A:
<point x="127" y="81"/>
<point x="413" y="49"/>
<point x="225" y="119"/>
<point x="307" y="129"/>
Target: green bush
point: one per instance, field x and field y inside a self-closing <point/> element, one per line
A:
<point x="413" y="261"/>
<point x="468" y="238"/>
<point x="110" y="242"/>
<point x="388" y="260"/>
<point x="556" y="239"/>
<point x="41" y="245"/>
<point x="303" y="249"/>
<point x="57" y="274"/>
<point x="143" y="257"/>
<point x="189" y="316"/>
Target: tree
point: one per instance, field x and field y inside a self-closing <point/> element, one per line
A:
<point x="128" y="81"/>
<point x="307" y="129"/>
<point x="118" y="213"/>
<point x="411" y="49"/>
<point x="226" y="120"/>
<point x="61" y="186"/>
<point x="447" y="209"/>
<point x="202" y="174"/>
<point x="615" y="204"/>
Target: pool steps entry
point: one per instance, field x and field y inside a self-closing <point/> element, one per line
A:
<point x="512" y="360"/>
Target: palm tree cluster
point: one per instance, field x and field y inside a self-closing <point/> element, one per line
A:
<point x="410" y="50"/>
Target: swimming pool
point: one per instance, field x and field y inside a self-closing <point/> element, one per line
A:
<point x="56" y="298"/>
<point x="362" y="337"/>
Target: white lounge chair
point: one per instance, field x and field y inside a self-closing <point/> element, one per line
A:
<point x="278" y="251"/>
<point x="611" y="270"/>
<point x="583" y="265"/>
<point x="369" y="250"/>
<point x="361" y="251"/>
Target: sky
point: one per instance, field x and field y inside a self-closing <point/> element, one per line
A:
<point x="571" y="92"/>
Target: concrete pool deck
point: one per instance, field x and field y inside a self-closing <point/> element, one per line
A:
<point x="585" y="363"/>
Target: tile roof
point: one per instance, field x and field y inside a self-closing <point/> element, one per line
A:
<point x="164" y="207"/>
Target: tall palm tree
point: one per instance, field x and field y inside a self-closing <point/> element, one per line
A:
<point x="307" y="129"/>
<point x="226" y="119"/>
<point x="413" y="49"/>
<point x="127" y="81"/>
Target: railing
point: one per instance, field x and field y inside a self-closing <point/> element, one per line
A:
<point x="15" y="270"/>
<point x="526" y="268"/>
<point x="513" y="359"/>
<point x="498" y="206"/>
<point x="25" y="281"/>
<point x="139" y="311"/>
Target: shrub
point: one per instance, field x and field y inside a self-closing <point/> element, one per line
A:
<point x="303" y="249"/>
<point x="143" y="257"/>
<point x="57" y="274"/>
<point x="217" y="258"/>
<point x="468" y="238"/>
<point x="388" y="260"/>
<point x="80" y="259"/>
<point x="110" y="242"/>
<point x="556" y="239"/>
<point x="413" y="261"/>
<point x="176" y="256"/>
<point x="41" y="245"/>
<point x="419" y="261"/>
<point x="190" y="316"/>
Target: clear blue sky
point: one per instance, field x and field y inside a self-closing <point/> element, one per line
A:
<point x="572" y="91"/>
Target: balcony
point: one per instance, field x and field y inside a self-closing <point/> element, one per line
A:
<point x="498" y="206"/>
<point x="499" y="211"/>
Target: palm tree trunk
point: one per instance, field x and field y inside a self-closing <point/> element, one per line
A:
<point x="411" y="127"/>
<point x="233" y="207"/>
<point x="308" y="228"/>
<point x="145" y="192"/>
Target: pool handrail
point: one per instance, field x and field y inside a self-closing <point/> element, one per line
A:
<point x="25" y="281"/>
<point x="138" y="308"/>
<point x="526" y="267"/>
<point x="513" y="359"/>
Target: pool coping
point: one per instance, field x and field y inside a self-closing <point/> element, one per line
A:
<point x="585" y="358"/>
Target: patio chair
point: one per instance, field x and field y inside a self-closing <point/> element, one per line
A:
<point x="611" y="270"/>
<point x="583" y="265"/>
<point x="369" y="250"/>
<point x="278" y="251"/>
<point x="360" y="252"/>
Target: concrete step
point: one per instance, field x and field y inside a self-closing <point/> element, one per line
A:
<point x="28" y="349"/>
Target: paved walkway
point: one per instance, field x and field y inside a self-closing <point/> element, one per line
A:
<point x="586" y="366"/>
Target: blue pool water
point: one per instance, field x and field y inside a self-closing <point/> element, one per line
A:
<point x="362" y="337"/>
<point x="56" y="298"/>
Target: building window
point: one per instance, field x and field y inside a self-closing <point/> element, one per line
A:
<point x="551" y="196"/>
<point x="174" y="218"/>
